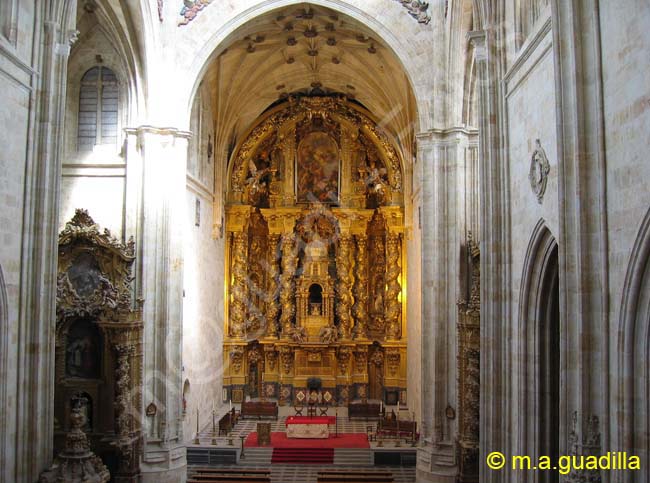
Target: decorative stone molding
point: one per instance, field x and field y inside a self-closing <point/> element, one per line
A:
<point x="417" y="9"/>
<point x="539" y="169"/>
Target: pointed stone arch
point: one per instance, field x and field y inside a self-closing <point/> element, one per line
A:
<point x="634" y="353"/>
<point x="537" y="388"/>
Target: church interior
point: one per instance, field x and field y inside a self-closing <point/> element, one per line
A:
<point x="325" y="241"/>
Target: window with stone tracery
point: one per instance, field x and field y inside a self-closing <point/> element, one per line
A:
<point x="8" y="20"/>
<point x="98" y="108"/>
<point x="529" y="12"/>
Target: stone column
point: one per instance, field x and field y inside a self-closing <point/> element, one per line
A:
<point x="273" y="288"/>
<point x="161" y="155"/>
<point x="583" y="235"/>
<point x="28" y="422"/>
<point x="344" y="288"/>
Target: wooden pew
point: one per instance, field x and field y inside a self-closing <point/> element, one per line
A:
<point x="397" y="429"/>
<point x="363" y="410"/>
<point x="259" y="409"/>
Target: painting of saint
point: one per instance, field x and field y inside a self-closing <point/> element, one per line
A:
<point x="318" y="169"/>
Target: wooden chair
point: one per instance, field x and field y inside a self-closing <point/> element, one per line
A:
<point x="298" y="409"/>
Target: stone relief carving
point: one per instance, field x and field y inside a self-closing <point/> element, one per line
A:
<point x="539" y="169"/>
<point x="417" y="9"/>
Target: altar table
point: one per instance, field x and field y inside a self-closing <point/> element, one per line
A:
<point x="309" y="427"/>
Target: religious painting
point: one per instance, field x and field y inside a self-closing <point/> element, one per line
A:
<point x="83" y="351"/>
<point x="84" y="275"/>
<point x="318" y="169"/>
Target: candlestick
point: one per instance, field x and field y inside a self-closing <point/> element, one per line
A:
<point x="196" y="438"/>
<point x="230" y="402"/>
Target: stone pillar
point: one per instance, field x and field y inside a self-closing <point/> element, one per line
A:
<point x="30" y="418"/>
<point x="583" y="235"/>
<point x="442" y="155"/>
<point x="161" y="154"/>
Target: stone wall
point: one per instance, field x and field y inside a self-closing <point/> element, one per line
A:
<point x="203" y="303"/>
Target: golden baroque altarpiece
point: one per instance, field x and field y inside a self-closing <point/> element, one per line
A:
<point x="315" y="258"/>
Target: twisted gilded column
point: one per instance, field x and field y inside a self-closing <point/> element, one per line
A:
<point x="238" y="290"/>
<point x="393" y="310"/>
<point x="361" y="288"/>
<point x="344" y="288"/>
<point x="273" y="305"/>
<point x="287" y="285"/>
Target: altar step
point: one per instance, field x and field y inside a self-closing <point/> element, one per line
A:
<point x="257" y="456"/>
<point x="353" y="457"/>
<point x="305" y="456"/>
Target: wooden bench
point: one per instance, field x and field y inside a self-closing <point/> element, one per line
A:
<point x="397" y="429"/>
<point x="228" y="421"/>
<point x="363" y="410"/>
<point x="259" y="409"/>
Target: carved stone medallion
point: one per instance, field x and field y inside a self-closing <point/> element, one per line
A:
<point x="539" y="169"/>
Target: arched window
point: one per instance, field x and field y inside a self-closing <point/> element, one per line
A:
<point x="98" y="106"/>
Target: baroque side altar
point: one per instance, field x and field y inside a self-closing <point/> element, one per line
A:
<point x="315" y="259"/>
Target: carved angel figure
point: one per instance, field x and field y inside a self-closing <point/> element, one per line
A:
<point x="298" y="335"/>
<point x="328" y="334"/>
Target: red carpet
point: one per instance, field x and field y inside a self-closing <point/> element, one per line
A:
<point x="344" y="440"/>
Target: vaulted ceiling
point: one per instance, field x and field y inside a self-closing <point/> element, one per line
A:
<point x="311" y="50"/>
